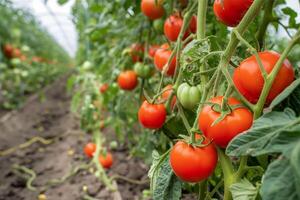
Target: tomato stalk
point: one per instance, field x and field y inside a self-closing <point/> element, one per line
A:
<point x="201" y="29"/>
<point x="102" y="176"/>
<point x="228" y="173"/>
<point x="186" y="21"/>
<point x="260" y="35"/>
<point x="185" y="122"/>
<point x="271" y="77"/>
<point x="254" y="51"/>
<point x="202" y="190"/>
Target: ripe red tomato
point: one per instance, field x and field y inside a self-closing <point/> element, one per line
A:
<point x="193" y="164"/>
<point x="173" y="26"/>
<point x="165" y="95"/>
<point x="136" y="52"/>
<point x="152" y="8"/>
<point x="90" y="149"/>
<point x="8" y="50"/>
<point x="103" y="87"/>
<point x="127" y="80"/>
<point x="252" y="85"/>
<point x="152" y="50"/>
<point x="106" y="160"/>
<point x="161" y="59"/>
<point x="193" y="24"/>
<point x="17" y="53"/>
<point x="230" y="12"/>
<point x="152" y="116"/>
<point x="233" y="124"/>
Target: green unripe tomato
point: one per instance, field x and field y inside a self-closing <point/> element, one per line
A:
<point x="158" y="25"/>
<point x="15" y="62"/>
<point x="189" y="96"/>
<point x="143" y="71"/>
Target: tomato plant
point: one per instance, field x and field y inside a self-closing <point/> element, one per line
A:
<point x="221" y="110"/>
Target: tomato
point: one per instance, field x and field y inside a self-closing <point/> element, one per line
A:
<point x="152" y="8"/>
<point x="230" y="12"/>
<point x="152" y="116"/>
<point x="193" y="164"/>
<point x="193" y="24"/>
<point x="127" y="80"/>
<point x="165" y="95"/>
<point x="251" y="86"/>
<point x="17" y="53"/>
<point x="152" y="50"/>
<point x="136" y="52"/>
<point x="161" y="59"/>
<point x="142" y="70"/>
<point x="8" y="50"/>
<point x="90" y="149"/>
<point x="189" y="96"/>
<point x="106" y="160"/>
<point x="158" y="25"/>
<point x="103" y="88"/>
<point x="233" y="124"/>
<point x="173" y="26"/>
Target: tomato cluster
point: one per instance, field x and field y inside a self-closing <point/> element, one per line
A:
<point x="105" y="159"/>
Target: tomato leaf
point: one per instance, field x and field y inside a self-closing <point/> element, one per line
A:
<point x="61" y="2"/>
<point x="243" y="190"/>
<point x="279" y="181"/>
<point x="167" y="185"/>
<point x="274" y="132"/>
<point x="285" y="93"/>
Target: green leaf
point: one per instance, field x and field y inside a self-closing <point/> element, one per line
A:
<point x="295" y="162"/>
<point x="243" y="190"/>
<point x="273" y="132"/>
<point x="285" y="93"/>
<point x="61" y="2"/>
<point x="292" y="16"/>
<point x="279" y="181"/>
<point x="168" y="186"/>
<point x="154" y="167"/>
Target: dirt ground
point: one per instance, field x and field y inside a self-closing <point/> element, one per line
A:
<point x="60" y="152"/>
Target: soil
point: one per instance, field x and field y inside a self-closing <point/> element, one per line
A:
<point x="52" y="120"/>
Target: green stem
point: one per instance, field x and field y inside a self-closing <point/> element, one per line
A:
<point x="102" y="176"/>
<point x="228" y="173"/>
<point x="201" y="29"/>
<point x="184" y="119"/>
<point x="201" y="19"/>
<point x="271" y="77"/>
<point x="260" y="35"/>
<point x="242" y="167"/>
<point x="202" y="190"/>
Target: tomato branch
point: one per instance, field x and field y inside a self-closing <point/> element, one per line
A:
<point x="271" y="77"/>
<point x="267" y="18"/>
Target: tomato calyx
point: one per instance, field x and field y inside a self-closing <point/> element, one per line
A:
<point x="224" y="111"/>
<point x="195" y="139"/>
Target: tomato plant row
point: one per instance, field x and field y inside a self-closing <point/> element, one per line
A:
<point x="207" y="82"/>
<point x="29" y="57"/>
